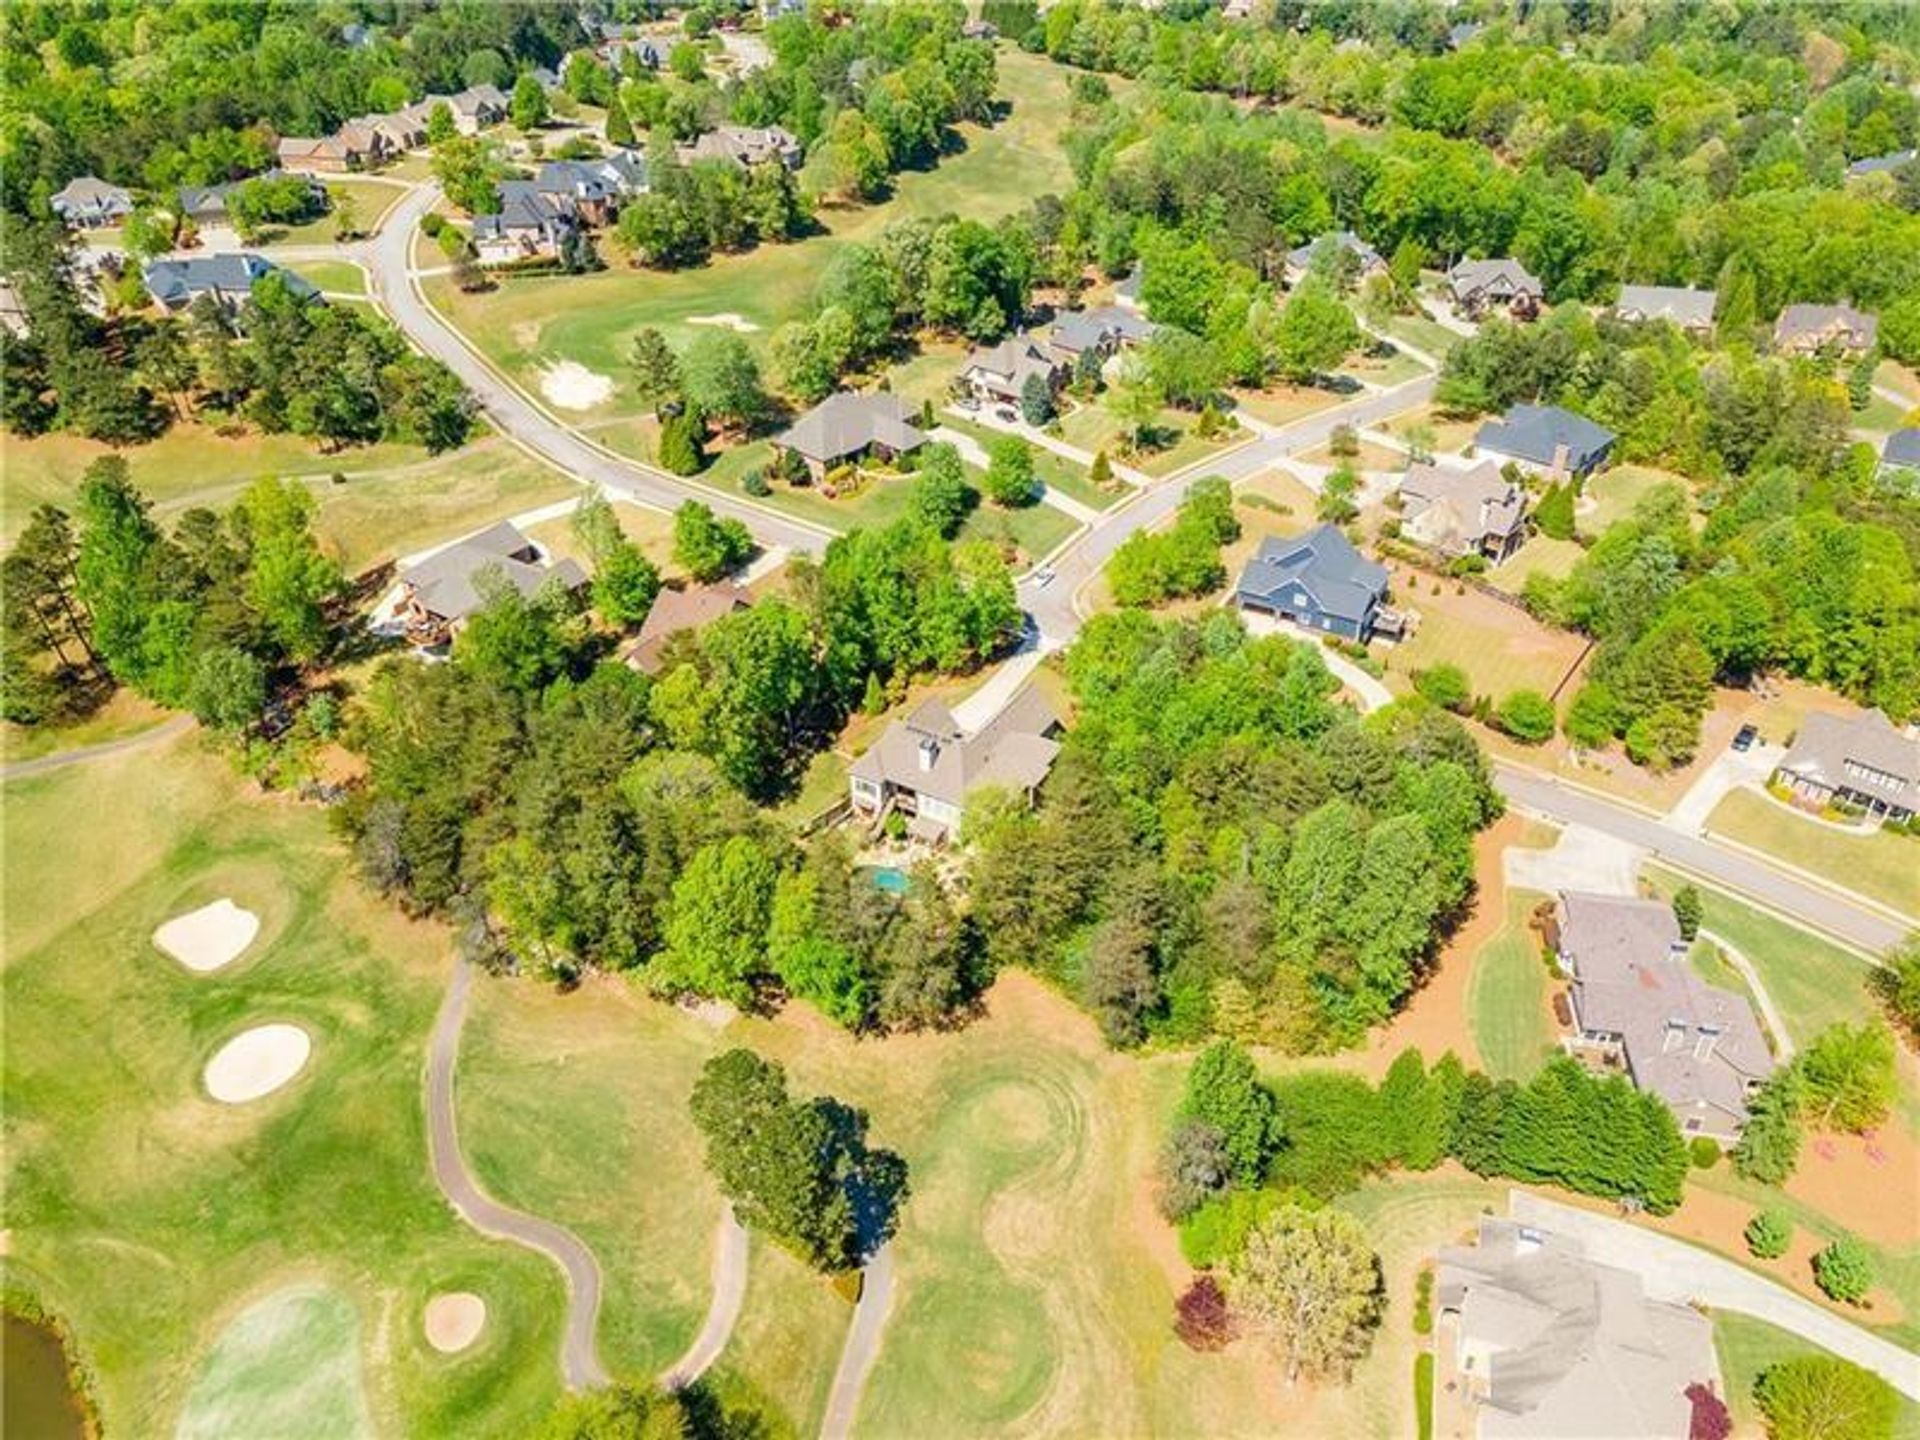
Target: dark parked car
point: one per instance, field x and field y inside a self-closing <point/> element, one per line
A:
<point x="1745" y="738"/>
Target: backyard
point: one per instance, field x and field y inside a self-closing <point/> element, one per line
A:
<point x="1499" y="646"/>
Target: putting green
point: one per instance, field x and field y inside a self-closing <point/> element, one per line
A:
<point x="287" y="1366"/>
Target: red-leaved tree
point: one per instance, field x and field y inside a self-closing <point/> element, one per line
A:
<point x="1202" y="1318"/>
<point x="1710" y="1418"/>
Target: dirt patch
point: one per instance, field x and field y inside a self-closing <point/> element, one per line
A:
<point x="257" y="1062"/>
<point x="454" y="1320"/>
<point x="725" y="320"/>
<point x="526" y="333"/>
<point x="1581" y="859"/>
<point x="1868" y="1183"/>
<point x="209" y="938"/>
<point x="572" y="386"/>
<point x="714" y="1014"/>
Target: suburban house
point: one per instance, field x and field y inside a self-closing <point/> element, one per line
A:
<point x="1477" y="511"/>
<point x="1500" y="284"/>
<point x="1689" y="310"/>
<point x="228" y="279"/>
<point x="1103" y="330"/>
<point x="1637" y="1000"/>
<point x="849" y="426"/>
<point x="474" y="108"/>
<point x="999" y="373"/>
<point x="207" y="204"/>
<point x="1556" y="442"/>
<point x="1900" y="456"/>
<point x="87" y="202"/>
<point x="1881" y="164"/>
<point x="747" y="145"/>
<point x="594" y="188"/>
<point x="1317" y="580"/>
<point x="1536" y="1342"/>
<point x="351" y="147"/>
<point x="679" y="612"/>
<point x="401" y="131"/>
<point x="1862" y="760"/>
<point x="925" y="766"/>
<point x="1810" y="329"/>
<point x="529" y="224"/>
<point x="438" y="594"/>
<point x="1366" y="260"/>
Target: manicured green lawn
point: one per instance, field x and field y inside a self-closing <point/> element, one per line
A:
<point x="1615" y="492"/>
<point x="1506" y="997"/>
<point x="371" y="201"/>
<point x="1055" y="471"/>
<point x="1500" y="648"/>
<point x="1747" y="1347"/>
<point x="149" y="1216"/>
<point x="336" y="277"/>
<point x="1554" y="558"/>
<point x="1093" y="428"/>
<point x="1881" y="865"/>
<point x="591" y="319"/>
<point x="288" y="1365"/>
<point x="1032" y="529"/>
<point x="1423" y="333"/>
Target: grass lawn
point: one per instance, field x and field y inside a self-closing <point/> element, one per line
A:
<point x="1507" y="997"/>
<point x="1283" y="404"/>
<point x="1450" y="435"/>
<point x="1384" y="370"/>
<point x="1501" y="648"/>
<point x="926" y="374"/>
<point x="1899" y="378"/>
<point x="1881" y="415"/>
<point x="1615" y="492"/>
<point x="650" y="529"/>
<point x="336" y="277"/>
<point x="824" y="783"/>
<point x="1032" y="530"/>
<point x="151" y="1218"/>
<point x="1747" y="1346"/>
<point x="1881" y="865"/>
<point x="1093" y="428"/>
<point x="1423" y="333"/>
<point x="1054" y="471"/>
<point x="591" y="319"/>
<point x="1371" y="457"/>
<point x="1537" y="552"/>
<point x="371" y="201"/>
<point x="124" y="714"/>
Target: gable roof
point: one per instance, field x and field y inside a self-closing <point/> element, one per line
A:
<point x="1012" y="361"/>
<point x="1828" y="748"/>
<point x="1689" y="309"/>
<point x="1799" y="322"/>
<point x="1577" y="1350"/>
<point x="1471" y="276"/>
<point x="674" y="612"/>
<point x="1341" y="581"/>
<point x="848" y="422"/>
<point x="745" y="145"/>
<point x="1536" y="432"/>
<point x="1446" y="505"/>
<point x="1902" y="447"/>
<point x="446" y="583"/>
<point x="1301" y="257"/>
<point x="88" y="197"/>
<point x="524" y="206"/>
<point x="1013" y="749"/>
<point x="1080" y="330"/>
<point x="175" y="282"/>
<point x="622" y="173"/>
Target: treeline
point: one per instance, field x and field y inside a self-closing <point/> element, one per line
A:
<point x="570" y="813"/>
<point x="1223" y="849"/>
<point x="1580" y="167"/>
<point x="199" y="619"/>
<point x="166" y="95"/>
<point x="285" y="364"/>
<point x="691" y="212"/>
<point x="1242" y="1146"/>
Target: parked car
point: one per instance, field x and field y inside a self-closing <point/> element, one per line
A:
<point x="1006" y="415"/>
<point x="1043" y="578"/>
<point x="1743" y="740"/>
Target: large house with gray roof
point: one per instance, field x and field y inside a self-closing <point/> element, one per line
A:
<point x="1812" y="329"/>
<point x="1637" y="1000"/>
<point x="1861" y="760"/>
<point x="88" y="203"/>
<point x="1455" y="512"/>
<point x="1499" y="284"/>
<point x="530" y="224"/>
<point x="1556" y="442"/>
<point x="227" y="279"/>
<point x="999" y="373"/>
<point x="1688" y="310"/>
<point x="1102" y="330"/>
<point x="925" y="766"/>
<point x="439" y="594"/>
<point x="850" y="426"/>
<point x="1355" y="252"/>
<point x="1537" y="1342"/>
<point x="1316" y="580"/>
<point x="594" y="189"/>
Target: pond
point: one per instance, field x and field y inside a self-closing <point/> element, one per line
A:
<point x="36" y="1399"/>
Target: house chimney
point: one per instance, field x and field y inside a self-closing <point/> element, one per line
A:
<point x="929" y="752"/>
<point x="1562" y="459"/>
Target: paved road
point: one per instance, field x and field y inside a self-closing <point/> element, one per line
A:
<point x="387" y="257"/>
<point x="1675" y="1271"/>
<point x="862" y="1346"/>
<point x="729" y="1294"/>
<point x="60" y="759"/>
<point x="1864" y="929"/>
<point x="579" y="1354"/>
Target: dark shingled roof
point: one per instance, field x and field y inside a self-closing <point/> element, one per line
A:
<point x="1534" y="432"/>
<point x="1341" y="581"/>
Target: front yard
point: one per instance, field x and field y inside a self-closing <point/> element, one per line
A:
<point x="1881" y="865"/>
<point x="1094" y="428"/>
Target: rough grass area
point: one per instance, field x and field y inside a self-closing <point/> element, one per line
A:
<point x="1093" y="427"/>
<point x="1507" y="997"/>
<point x="1424" y="333"/>
<point x="288" y="1365"/>
<point x="1283" y="404"/>
<point x="1881" y="865"/>
<point x="591" y="319"/>
<point x="124" y="714"/>
<point x="1614" y="493"/>
<point x="150" y="1217"/>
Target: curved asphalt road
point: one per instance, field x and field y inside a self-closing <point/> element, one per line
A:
<point x="579" y="1355"/>
<point x="387" y="258"/>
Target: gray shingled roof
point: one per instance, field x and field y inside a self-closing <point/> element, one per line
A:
<point x="1013" y="750"/>
<point x="447" y="583"/>
<point x="1798" y="321"/>
<point x="1079" y="330"/>
<point x="177" y="282"/>
<point x="1827" y="744"/>
<point x="87" y="197"/>
<point x="1902" y="447"/>
<point x="848" y="423"/>
<point x="1874" y="164"/>
<point x="1535" y="432"/>
<point x="1689" y="309"/>
<point x="622" y="173"/>
<point x="524" y="206"/>
<point x="1301" y="258"/>
<point x="1470" y="276"/>
<point x="1341" y="581"/>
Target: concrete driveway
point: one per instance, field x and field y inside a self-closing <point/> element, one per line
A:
<point x="1675" y="1271"/>
<point x="1729" y="771"/>
<point x="1581" y="859"/>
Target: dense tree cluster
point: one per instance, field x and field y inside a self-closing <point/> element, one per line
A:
<point x="693" y="211"/>
<point x="1158" y="565"/>
<point x="1222" y="848"/>
<point x="1844" y="1080"/>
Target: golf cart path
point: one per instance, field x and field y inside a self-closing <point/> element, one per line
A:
<point x="729" y="1294"/>
<point x="862" y="1346"/>
<point x="60" y="759"/>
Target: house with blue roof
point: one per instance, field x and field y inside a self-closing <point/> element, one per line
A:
<point x="1556" y="442"/>
<point x="1316" y="580"/>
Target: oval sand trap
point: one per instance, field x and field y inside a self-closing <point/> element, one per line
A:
<point x="454" y="1320"/>
<point x="210" y="937"/>
<point x="257" y="1062"/>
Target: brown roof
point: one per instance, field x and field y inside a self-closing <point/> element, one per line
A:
<point x="1448" y="506"/>
<point x="676" y="611"/>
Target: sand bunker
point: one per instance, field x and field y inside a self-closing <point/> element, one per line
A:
<point x="257" y="1062"/>
<point x="210" y="937"/>
<point x="725" y="320"/>
<point x="572" y="386"/>
<point x="454" y="1320"/>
